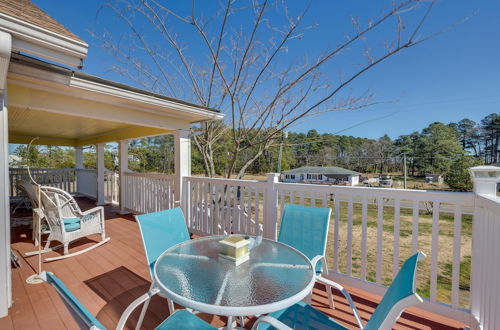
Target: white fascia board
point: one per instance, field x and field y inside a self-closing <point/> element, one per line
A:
<point x="138" y="98"/>
<point x="32" y="39"/>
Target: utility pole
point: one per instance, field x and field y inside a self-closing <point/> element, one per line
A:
<point x="404" y="165"/>
<point x="284" y="135"/>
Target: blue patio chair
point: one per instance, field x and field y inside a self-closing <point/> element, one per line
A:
<point x="400" y="295"/>
<point x="179" y="320"/>
<point x="84" y="317"/>
<point x="306" y="229"/>
<point x="160" y="231"/>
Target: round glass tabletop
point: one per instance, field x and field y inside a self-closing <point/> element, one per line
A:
<point x="192" y="274"/>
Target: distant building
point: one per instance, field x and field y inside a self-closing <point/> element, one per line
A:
<point x="385" y="181"/>
<point x="434" y="178"/>
<point x="321" y="174"/>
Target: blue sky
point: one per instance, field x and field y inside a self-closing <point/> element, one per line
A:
<point x="453" y="76"/>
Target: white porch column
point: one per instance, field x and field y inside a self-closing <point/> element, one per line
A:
<point x="5" y="272"/>
<point x="100" y="173"/>
<point x="78" y="165"/>
<point x="182" y="159"/>
<point x="123" y="156"/>
<point x="78" y="157"/>
<point x="5" y="276"/>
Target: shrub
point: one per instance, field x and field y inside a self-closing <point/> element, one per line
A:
<point x="458" y="177"/>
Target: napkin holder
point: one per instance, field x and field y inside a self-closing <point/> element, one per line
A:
<point x="235" y="249"/>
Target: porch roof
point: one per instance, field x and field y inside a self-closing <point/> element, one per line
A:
<point x="64" y="107"/>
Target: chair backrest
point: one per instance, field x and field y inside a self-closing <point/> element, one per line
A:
<point x="400" y="295"/>
<point x="306" y="229"/>
<point x="160" y="231"/>
<point x="58" y="205"/>
<point x="29" y="191"/>
<point x="76" y="306"/>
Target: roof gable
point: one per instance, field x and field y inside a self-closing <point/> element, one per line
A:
<point x="27" y="11"/>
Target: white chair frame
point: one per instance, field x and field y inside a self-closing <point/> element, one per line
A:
<point x="57" y="205"/>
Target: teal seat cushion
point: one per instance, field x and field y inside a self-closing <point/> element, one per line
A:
<point x="302" y="316"/>
<point x="183" y="319"/>
<point x="71" y="224"/>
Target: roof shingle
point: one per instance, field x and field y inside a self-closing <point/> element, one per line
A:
<point x="27" y="11"/>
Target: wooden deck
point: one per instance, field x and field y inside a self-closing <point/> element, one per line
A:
<point x="107" y="279"/>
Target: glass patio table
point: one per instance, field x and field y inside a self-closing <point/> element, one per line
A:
<point x="192" y="274"/>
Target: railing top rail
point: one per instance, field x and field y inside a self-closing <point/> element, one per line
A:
<point x="490" y="202"/>
<point x="85" y="170"/>
<point x="462" y="198"/>
<point x="230" y="182"/>
<point x="25" y="169"/>
<point x="150" y="175"/>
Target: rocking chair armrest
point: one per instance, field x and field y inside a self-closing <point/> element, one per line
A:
<point x="93" y="210"/>
<point x="330" y="284"/>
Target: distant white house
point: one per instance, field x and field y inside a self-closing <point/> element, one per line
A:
<point x="434" y="178"/>
<point x="321" y="174"/>
<point x="14" y="160"/>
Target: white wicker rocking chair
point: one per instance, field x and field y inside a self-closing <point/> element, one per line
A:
<point x="68" y="222"/>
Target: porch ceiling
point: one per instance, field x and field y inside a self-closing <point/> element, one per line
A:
<point x="69" y="108"/>
<point x="68" y="130"/>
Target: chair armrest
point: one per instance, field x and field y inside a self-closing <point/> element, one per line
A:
<point x="330" y="284"/>
<point x="133" y="306"/>
<point x="272" y="321"/>
<point x="315" y="260"/>
<point x="93" y="210"/>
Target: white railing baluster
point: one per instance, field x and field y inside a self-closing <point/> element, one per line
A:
<point x="364" y="221"/>
<point x="336" y="228"/>
<point x="217" y="218"/>
<point x="282" y="201"/>
<point x="257" y="212"/>
<point x="395" y="256"/>
<point x="457" y="244"/>
<point x="349" y="235"/>
<point x="435" y="251"/>
<point x="414" y="233"/>
<point x="380" y="230"/>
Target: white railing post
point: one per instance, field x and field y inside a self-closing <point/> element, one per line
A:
<point x="186" y="200"/>
<point x="270" y="206"/>
<point x="182" y="160"/>
<point x="100" y="173"/>
<point x="123" y="157"/>
<point x="485" y="267"/>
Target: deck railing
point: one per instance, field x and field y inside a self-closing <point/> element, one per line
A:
<point x="86" y="182"/>
<point x="111" y="187"/>
<point x="372" y="230"/>
<point x="219" y="206"/>
<point x="148" y="192"/>
<point x="62" y="178"/>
